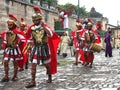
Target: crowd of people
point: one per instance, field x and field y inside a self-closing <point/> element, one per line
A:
<point x="40" y="43"/>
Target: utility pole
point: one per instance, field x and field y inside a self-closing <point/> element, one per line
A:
<point x="78" y="9"/>
<point x="117" y="27"/>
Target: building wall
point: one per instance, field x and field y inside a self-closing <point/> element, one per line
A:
<point x="104" y="24"/>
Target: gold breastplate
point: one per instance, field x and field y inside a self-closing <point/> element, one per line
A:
<point x="11" y="39"/>
<point x="39" y="36"/>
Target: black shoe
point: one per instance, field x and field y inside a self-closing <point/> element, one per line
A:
<point x="26" y="66"/>
<point x="105" y="55"/>
<point x="110" y="56"/>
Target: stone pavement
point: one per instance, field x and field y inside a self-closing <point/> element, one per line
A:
<point x="104" y="75"/>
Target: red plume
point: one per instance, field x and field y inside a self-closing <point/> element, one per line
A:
<point x="90" y="20"/>
<point x="79" y="21"/>
<point x="11" y="16"/>
<point x="22" y="19"/>
<point x="22" y="22"/>
<point x="37" y="9"/>
<point x="98" y="26"/>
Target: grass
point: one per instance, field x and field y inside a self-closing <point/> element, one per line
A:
<point x="63" y="63"/>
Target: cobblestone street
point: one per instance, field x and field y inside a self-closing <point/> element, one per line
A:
<point x="105" y="75"/>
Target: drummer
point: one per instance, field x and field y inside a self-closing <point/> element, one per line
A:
<point x="89" y="36"/>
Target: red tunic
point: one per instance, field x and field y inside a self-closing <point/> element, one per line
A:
<point x="25" y="55"/>
<point x="78" y="47"/>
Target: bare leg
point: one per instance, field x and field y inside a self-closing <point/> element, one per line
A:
<point x="91" y="56"/>
<point x="33" y="74"/>
<point x="6" y="69"/>
<point x="76" y="59"/>
<point x="26" y="65"/>
<point x="86" y="59"/>
<point x="15" y="78"/>
<point x="48" y="72"/>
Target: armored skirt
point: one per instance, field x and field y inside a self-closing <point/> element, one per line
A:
<point x="13" y="54"/>
<point x="40" y="53"/>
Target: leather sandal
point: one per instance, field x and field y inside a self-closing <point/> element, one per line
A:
<point x="90" y="65"/>
<point x="5" y="79"/>
<point x="75" y="63"/>
<point x="30" y="85"/>
<point x="14" y="79"/>
<point x="86" y="64"/>
<point x="21" y="69"/>
<point x="49" y="81"/>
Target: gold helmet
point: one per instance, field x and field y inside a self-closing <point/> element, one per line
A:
<point x="12" y="19"/>
<point x="90" y="22"/>
<point x="38" y="13"/>
<point x="22" y="23"/>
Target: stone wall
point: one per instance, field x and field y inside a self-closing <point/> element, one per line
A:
<point x="23" y="10"/>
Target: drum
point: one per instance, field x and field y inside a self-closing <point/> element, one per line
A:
<point x="95" y="47"/>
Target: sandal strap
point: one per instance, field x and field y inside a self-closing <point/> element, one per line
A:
<point x="30" y="84"/>
<point x="5" y="79"/>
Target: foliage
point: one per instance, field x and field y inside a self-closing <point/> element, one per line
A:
<point x="53" y="3"/>
<point x="31" y="1"/>
<point x="49" y="2"/>
<point x="82" y="10"/>
<point x="58" y="25"/>
<point x="64" y="63"/>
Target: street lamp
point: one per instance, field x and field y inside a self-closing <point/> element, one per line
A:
<point x="78" y="9"/>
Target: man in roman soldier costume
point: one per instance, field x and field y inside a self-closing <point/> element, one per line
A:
<point x="24" y="62"/>
<point x="11" y="41"/>
<point x="78" y="42"/>
<point x="44" y="47"/>
<point x="90" y="36"/>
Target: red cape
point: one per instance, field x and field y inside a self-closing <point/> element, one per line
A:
<point x="98" y="36"/>
<point x="53" y="43"/>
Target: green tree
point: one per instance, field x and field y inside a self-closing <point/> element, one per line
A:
<point x="49" y="2"/>
<point x="31" y="1"/>
<point x="52" y="3"/>
<point x="82" y="10"/>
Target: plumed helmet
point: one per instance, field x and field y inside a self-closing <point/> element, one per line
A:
<point x="98" y="25"/>
<point x="88" y="21"/>
<point x="22" y="22"/>
<point x="37" y="13"/>
<point x="13" y="19"/>
<point x="79" y="22"/>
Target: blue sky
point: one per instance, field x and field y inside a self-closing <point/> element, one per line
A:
<point x="109" y="8"/>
